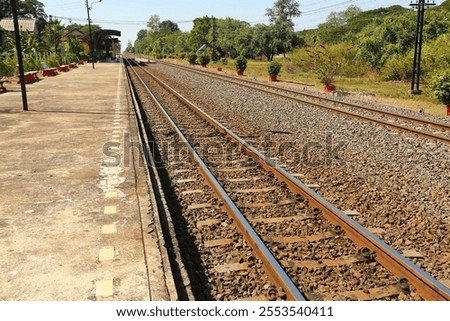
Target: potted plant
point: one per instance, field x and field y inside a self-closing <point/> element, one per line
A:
<point x="325" y="65"/>
<point x="192" y="58"/>
<point x="441" y="89"/>
<point x="274" y="68"/>
<point x="241" y="65"/>
<point x="203" y="60"/>
<point x="223" y="61"/>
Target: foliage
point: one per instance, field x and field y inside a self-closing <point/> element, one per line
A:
<point x="398" y="67"/>
<point x="53" y="33"/>
<point x="203" y="59"/>
<point x="8" y="64"/>
<point x="233" y="37"/>
<point x="200" y="33"/>
<point x="192" y="58"/>
<point x="274" y="68"/>
<point x="323" y="63"/>
<point x="265" y="42"/>
<point x="74" y="49"/>
<point x="441" y="87"/>
<point x="241" y="63"/>
<point x="284" y="11"/>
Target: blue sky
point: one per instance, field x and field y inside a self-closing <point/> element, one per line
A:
<point x="130" y="16"/>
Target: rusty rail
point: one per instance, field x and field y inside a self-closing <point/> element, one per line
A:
<point x="274" y="270"/>
<point x="251" y="84"/>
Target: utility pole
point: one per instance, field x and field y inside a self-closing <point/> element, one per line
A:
<point x="214" y="37"/>
<point x="420" y="5"/>
<point x="19" y="54"/>
<point x="90" y="30"/>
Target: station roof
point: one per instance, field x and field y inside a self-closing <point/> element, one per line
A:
<point x="7" y="24"/>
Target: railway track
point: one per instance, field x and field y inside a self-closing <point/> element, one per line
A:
<point x="308" y="248"/>
<point x="430" y="129"/>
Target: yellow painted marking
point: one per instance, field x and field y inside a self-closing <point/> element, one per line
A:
<point x="110" y="209"/>
<point x="113" y="171"/>
<point x="106" y="254"/>
<point x="112" y="182"/>
<point x="104" y="288"/>
<point x="112" y="195"/>
<point x="109" y="229"/>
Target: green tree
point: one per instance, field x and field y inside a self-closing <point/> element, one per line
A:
<point x="264" y="41"/>
<point x="141" y="34"/>
<point x="284" y="11"/>
<point x="168" y="27"/>
<point x="74" y="49"/>
<point x="53" y="33"/>
<point x="200" y="32"/>
<point x="337" y="19"/>
<point x="232" y="36"/>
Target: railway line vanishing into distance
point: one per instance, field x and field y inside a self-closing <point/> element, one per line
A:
<point x="244" y="226"/>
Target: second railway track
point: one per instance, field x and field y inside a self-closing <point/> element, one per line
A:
<point x="321" y="249"/>
<point x="421" y="126"/>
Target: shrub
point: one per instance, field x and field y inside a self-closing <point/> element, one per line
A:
<point x="192" y="58"/>
<point x="203" y="59"/>
<point x="441" y="88"/>
<point x="241" y="63"/>
<point x="8" y="65"/>
<point x="274" y="68"/>
<point x="323" y="63"/>
<point x="397" y="68"/>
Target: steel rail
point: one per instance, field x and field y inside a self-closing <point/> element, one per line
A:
<point x="273" y="268"/>
<point x="428" y="287"/>
<point x="246" y="83"/>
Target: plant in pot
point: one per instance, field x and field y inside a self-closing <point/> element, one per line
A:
<point x="192" y="58"/>
<point x="274" y="68"/>
<point x="324" y="64"/>
<point x="203" y="60"/>
<point x="223" y="61"/>
<point x="241" y="65"/>
<point x="440" y="85"/>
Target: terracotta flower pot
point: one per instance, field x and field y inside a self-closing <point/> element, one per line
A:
<point x="448" y="110"/>
<point x="240" y="72"/>
<point x="272" y="78"/>
<point x="219" y="68"/>
<point x="329" y="88"/>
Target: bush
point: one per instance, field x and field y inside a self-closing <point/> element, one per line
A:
<point x="441" y="88"/>
<point x="203" y="59"/>
<point x="241" y="63"/>
<point x="397" y="68"/>
<point x="8" y="65"/>
<point x="274" y="68"/>
<point x="323" y="63"/>
<point x="192" y="58"/>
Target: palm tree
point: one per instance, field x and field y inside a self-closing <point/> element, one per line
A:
<point x="53" y="32"/>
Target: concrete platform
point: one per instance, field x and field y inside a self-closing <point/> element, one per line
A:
<point x="73" y="200"/>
